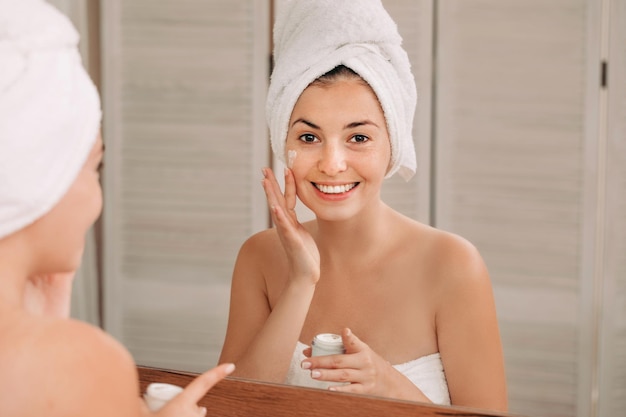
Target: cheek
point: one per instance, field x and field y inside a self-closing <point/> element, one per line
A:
<point x="88" y="201"/>
<point x="97" y="198"/>
<point x="374" y="163"/>
<point x="296" y="160"/>
<point x="386" y="160"/>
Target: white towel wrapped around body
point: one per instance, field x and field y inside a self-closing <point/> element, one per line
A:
<point x="312" y="37"/>
<point x="49" y="111"/>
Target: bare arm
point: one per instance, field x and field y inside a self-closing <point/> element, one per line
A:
<point x="467" y="331"/>
<point x="261" y="339"/>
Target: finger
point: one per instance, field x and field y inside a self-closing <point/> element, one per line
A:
<point x="351" y="343"/>
<point x="307" y="352"/>
<point x="283" y="221"/>
<point x="273" y="202"/>
<point x="335" y="375"/>
<point x="290" y="190"/>
<point x="274" y="185"/>
<point x="276" y="199"/>
<point x="203" y="383"/>
<point x="342" y="361"/>
<point x="271" y="188"/>
<point x="353" y="388"/>
<point x="287" y="224"/>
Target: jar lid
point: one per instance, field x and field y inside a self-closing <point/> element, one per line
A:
<point x="157" y="394"/>
<point x="328" y="339"/>
<point x="163" y="391"/>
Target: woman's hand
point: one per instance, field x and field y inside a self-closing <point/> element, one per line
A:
<point x="364" y="371"/>
<point x="185" y="404"/>
<point x="302" y="253"/>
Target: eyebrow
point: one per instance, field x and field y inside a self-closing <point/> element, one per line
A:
<point x="306" y="122"/>
<point x="360" y="123"/>
<point x="348" y="126"/>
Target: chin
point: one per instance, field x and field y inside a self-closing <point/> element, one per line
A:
<point x="334" y="214"/>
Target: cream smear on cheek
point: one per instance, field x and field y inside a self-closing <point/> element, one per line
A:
<point x="291" y="157"/>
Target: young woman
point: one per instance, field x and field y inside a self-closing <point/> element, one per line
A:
<point x="413" y="304"/>
<point x="50" y="195"/>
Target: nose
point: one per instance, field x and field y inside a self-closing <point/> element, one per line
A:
<point x="332" y="159"/>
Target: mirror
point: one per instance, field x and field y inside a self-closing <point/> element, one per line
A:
<point x="519" y="150"/>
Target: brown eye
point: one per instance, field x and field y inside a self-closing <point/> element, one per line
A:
<point x="308" y="138"/>
<point x="359" y="139"/>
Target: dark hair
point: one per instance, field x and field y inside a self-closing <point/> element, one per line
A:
<point x="340" y="72"/>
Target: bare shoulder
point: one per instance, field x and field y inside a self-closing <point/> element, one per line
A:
<point x="458" y="257"/>
<point x="466" y="323"/>
<point x="66" y="367"/>
<point x="261" y="255"/>
<point x="260" y="244"/>
<point x="451" y="259"/>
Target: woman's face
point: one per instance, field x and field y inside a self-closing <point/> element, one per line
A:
<point x="338" y="148"/>
<point x="59" y="236"/>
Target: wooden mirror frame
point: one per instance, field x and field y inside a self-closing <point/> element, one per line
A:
<point x="244" y="397"/>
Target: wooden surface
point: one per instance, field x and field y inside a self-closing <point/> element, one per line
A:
<point x="240" y="397"/>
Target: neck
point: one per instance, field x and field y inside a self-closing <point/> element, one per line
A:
<point x="49" y="295"/>
<point x="23" y="288"/>
<point x="13" y="273"/>
<point x="353" y="238"/>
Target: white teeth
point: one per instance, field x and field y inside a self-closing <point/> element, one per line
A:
<point x="335" y="189"/>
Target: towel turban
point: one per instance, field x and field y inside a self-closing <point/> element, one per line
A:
<point x="312" y="37"/>
<point x="49" y="111"/>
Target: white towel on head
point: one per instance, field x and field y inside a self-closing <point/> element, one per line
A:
<point x="311" y="37"/>
<point x="49" y="111"/>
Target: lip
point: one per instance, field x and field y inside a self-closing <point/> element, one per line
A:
<point x="334" y="196"/>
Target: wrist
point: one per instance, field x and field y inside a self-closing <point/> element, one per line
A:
<point x="301" y="286"/>
<point x="304" y="279"/>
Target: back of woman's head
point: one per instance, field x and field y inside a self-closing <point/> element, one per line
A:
<point x="49" y="111"/>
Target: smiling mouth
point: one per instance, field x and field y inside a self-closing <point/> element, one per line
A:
<point x="335" y="189"/>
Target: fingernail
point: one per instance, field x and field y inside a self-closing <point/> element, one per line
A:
<point x="315" y="374"/>
<point x="230" y="368"/>
<point x="286" y="172"/>
<point x="348" y="332"/>
<point x="203" y="411"/>
<point x="332" y="389"/>
<point x="306" y="365"/>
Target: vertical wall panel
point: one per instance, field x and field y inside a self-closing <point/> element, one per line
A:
<point x="612" y="371"/>
<point x="181" y="132"/>
<point x="510" y="129"/>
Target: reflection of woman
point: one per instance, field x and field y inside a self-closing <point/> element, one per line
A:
<point x="50" y="151"/>
<point x="340" y="110"/>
